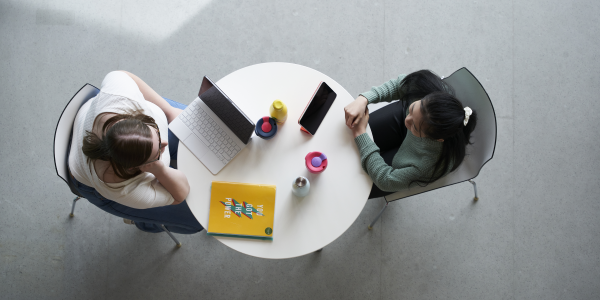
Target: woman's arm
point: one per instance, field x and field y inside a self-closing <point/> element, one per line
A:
<point x="174" y="181"/>
<point x="385" y="177"/>
<point x="152" y="96"/>
<point x="387" y="92"/>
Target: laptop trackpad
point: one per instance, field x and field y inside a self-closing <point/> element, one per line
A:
<point x="211" y="161"/>
<point x="196" y="146"/>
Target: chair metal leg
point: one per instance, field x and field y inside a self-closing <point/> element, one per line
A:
<point x="73" y="207"/>
<point x="379" y="215"/>
<point x="171" y="235"/>
<point x="474" y="189"/>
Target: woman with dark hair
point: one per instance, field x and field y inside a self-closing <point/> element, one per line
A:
<point x="119" y="159"/>
<point x="418" y="139"/>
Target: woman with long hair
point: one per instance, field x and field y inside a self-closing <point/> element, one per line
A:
<point x="418" y="139"/>
<point x="120" y="156"/>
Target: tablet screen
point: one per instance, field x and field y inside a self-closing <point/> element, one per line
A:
<point x="318" y="108"/>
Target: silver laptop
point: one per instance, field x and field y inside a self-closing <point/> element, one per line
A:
<point x="213" y="127"/>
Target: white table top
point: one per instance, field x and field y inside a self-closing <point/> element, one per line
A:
<point x="337" y="196"/>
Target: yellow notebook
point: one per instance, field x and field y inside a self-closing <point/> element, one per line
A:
<point x="242" y="210"/>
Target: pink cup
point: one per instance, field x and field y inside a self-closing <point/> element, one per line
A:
<point x="316" y="162"/>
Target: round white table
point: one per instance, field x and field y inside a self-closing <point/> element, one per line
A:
<point x="337" y="196"/>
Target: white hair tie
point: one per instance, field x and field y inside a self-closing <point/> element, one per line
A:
<point x="468" y="113"/>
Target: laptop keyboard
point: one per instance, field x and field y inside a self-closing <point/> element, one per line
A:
<point x="215" y="138"/>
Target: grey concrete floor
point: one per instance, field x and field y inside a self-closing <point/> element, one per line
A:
<point x="535" y="233"/>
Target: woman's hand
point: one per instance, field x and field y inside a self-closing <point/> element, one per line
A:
<point x="156" y="167"/>
<point x="355" y="111"/>
<point x="361" y="127"/>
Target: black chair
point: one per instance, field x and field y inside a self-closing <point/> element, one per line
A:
<point x="63" y="136"/>
<point x="472" y="94"/>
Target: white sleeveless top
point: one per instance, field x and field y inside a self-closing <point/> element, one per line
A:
<point x="119" y="93"/>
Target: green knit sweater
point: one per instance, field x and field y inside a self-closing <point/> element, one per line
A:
<point x="415" y="159"/>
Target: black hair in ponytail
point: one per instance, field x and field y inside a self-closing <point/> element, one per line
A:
<point x="415" y="86"/>
<point x="443" y="118"/>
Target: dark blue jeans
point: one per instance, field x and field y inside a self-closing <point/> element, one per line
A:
<point x="176" y="218"/>
<point x="173" y="140"/>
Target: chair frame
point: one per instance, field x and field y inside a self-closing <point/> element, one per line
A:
<point x="388" y="202"/>
<point x="65" y="125"/>
<point x="470" y="180"/>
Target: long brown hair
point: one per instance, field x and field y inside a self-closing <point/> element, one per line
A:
<point x="127" y="144"/>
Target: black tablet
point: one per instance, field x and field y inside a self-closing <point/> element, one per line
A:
<point x="317" y="108"/>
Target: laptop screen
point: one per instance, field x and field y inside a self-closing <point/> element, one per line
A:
<point x="226" y="110"/>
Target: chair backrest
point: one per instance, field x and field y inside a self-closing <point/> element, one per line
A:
<point x="64" y="129"/>
<point x="472" y="94"/>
